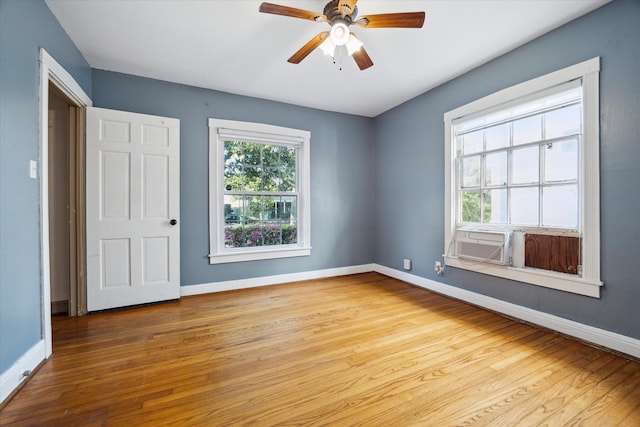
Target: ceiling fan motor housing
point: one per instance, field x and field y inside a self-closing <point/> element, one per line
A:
<point x="332" y="12"/>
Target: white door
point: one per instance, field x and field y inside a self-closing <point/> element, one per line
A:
<point x="133" y="206"/>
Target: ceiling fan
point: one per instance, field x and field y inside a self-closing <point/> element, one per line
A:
<point x="340" y="14"/>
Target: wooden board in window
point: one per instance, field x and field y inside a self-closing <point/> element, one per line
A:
<point x="555" y="253"/>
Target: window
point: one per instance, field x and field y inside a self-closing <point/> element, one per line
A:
<point x="526" y="159"/>
<point x="259" y="192"/>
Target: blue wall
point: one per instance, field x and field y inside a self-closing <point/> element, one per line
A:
<point x="341" y="175"/>
<point x="25" y="27"/>
<point x="377" y="184"/>
<point x="409" y="161"/>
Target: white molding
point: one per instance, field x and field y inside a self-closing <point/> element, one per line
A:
<point x="547" y="279"/>
<point x="14" y="376"/>
<point x="590" y="191"/>
<point x="50" y="71"/>
<point x="226" y="257"/>
<point x="525" y="88"/>
<point x="63" y="80"/>
<point x="611" y="340"/>
<point x="255" y="282"/>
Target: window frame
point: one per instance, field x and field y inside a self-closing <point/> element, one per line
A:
<point x="260" y="133"/>
<point x="589" y="283"/>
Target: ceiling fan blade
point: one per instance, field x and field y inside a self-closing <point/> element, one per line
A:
<point x="308" y="48"/>
<point x="277" y="9"/>
<point x="346" y="7"/>
<point x="392" y="20"/>
<point x="362" y="58"/>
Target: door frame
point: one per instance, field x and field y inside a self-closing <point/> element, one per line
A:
<point x="52" y="71"/>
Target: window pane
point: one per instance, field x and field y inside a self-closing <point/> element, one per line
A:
<point x="560" y="206"/>
<point x="233" y="177"/>
<point x="252" y="153"/>
<point x="252" y="178"/>
<point x="470" y="202"/>
<point x="287" y="214"/>
<point x="472" y="142"/>
<point x="233" y="152"/>
<point x="234" y="236"/>
<point x="233" y="209"/>
<point x="253" y="209"/>
<point x="234" y="232"/>
<point x="495" y="206"/>
<point x="527" y="130"/>
<point x="470" y="172"/>
<point x="270" y="155"/>
<point x="271" y="233"/>
<point x="290" y="233"/>
<point x="525" y="165"/>
<point x="288" y="157"/>
<point x="253" y="234"/>
<point x="524" y="206"/>
<point x="495" y="169"/>
<point x="498" y="136"/>
<point x="561" y="161"/>
<point x="284" y="209"/>
<point x="562" y="122"/>
<point x="271" y="179"/>
<point x="287" y="179"/>
<point x="232" y="165"/>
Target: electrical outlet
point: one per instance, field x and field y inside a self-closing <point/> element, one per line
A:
<point x="407" y="264"/>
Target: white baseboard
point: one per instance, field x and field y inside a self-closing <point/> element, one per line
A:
<point x="254" y="282"/>
<point x="12" y="377"/>
<point x="612" y="340"/>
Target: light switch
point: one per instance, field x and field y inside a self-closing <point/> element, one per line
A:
<point x="33" y="169"/>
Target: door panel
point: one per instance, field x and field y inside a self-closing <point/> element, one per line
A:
<point x="116" y="185"/>
<point x="133" y="250"/>
<point x="155" y="187"/>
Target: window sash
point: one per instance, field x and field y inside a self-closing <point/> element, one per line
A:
<point x="543" y="103"/>
<point x="540" y="184"/>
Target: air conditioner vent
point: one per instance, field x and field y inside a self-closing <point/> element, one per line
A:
<point x="492" y="246"/>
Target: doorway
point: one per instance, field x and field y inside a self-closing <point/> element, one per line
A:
<point x="66" y="205"/>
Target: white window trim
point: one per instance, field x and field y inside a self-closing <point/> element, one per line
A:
<point x="589" y="283"/>
<point x="218" y="254"/>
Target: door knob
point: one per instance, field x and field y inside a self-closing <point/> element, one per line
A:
<point x="173" y="222"/>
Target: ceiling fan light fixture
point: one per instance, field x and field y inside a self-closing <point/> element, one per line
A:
<point x="339" y="33"/>
<point x="340" y="14"/>
<point x="353" y="44"/>
<point x="328" y="47"/>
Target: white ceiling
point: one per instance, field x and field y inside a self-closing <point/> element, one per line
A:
<point x="230" y="46"/>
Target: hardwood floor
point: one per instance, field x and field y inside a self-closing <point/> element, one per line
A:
<point x="362" y="350"/>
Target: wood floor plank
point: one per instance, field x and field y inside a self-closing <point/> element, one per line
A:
<point x="362" y="350"/>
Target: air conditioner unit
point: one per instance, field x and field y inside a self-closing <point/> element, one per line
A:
<point x="485" y="245"/>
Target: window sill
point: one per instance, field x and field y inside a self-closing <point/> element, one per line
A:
<point x="258" y="254"/>
<point x="547" y="279"/>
